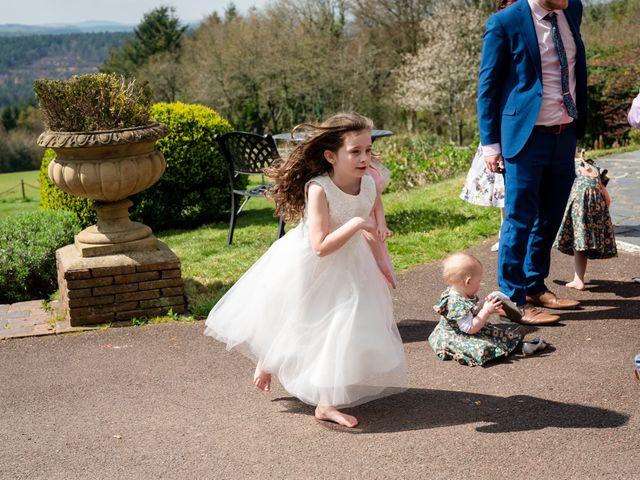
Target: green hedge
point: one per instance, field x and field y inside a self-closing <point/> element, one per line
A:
<point x="195" y="186"/>
<point x="28" y="244"/>
<point x="614" y="78"/>
<point x="416" y="160"/>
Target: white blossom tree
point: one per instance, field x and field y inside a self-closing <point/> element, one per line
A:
<point x="441" y="77"/>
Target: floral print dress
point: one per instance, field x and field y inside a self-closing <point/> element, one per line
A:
<point x="481" y="186"/>
<point x="451" y="343"/>
<point x="586" y="226"/>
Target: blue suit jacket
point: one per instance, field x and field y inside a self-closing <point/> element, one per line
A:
<point x="510" y="80"/>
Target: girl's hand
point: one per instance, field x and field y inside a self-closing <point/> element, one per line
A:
<point x="384" y="233"/>
<point x="491" y="305"/>
<point x="367" y="223"/>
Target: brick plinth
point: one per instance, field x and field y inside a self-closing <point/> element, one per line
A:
<point x="119" y="287"/>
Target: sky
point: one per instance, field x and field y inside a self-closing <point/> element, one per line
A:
<point x="129" y="12"/>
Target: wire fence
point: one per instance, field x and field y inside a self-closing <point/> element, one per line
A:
<point x="21" y="187"/>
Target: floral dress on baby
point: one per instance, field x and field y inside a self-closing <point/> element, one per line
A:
<point x="451" y="343"/>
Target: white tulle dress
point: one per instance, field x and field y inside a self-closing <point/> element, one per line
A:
<point x="323" y="325"/>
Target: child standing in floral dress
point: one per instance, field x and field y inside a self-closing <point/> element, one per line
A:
<point x="587" y="231"/>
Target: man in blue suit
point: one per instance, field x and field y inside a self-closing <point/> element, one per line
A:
<point x="532" y="107"/>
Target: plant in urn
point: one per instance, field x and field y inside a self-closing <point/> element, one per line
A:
<point x="99" y="126"/>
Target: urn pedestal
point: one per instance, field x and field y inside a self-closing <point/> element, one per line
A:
<point x="116" y="269"/>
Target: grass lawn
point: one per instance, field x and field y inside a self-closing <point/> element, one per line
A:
<point x="428" y="223"/>
<point x="11" y="201"/>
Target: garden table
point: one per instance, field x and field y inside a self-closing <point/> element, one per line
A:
<point x="298" y="136"/>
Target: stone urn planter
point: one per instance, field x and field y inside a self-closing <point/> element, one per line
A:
<point x="108" y="166"/>
<point x="100" y="128"/>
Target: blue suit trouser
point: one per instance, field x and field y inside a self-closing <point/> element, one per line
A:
<point x="537" y="181"/>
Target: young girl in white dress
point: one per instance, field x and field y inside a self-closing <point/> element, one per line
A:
<point x="314" y="310"/>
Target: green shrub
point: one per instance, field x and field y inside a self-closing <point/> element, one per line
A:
<point x="193" y="190"/>
<point x="52" y="198"/>
<point x="614" y="73"/>
<point x="423" y="159"/>
<point x="195" y="186"/>
<point x="99" y="101"/>
<point x="28" y="244"/>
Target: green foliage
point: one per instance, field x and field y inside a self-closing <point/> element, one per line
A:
<point x="93" y="102"/>
<point x="195" y="186"/>
<point x="138" y="322"/>
<point x="159" y="32"/>
<point x="614" y="79"/>
<point x="423" y="159"/>
<point x="52" y="198"/>
<point x="612" y="37"/>
<point x="9" y="117"/>
<point x="28" y="243"/>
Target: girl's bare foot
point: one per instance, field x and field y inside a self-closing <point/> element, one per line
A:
<point x="262" y="379"/>
<point x="331" y="414"/>
<point x="577" y="284"/>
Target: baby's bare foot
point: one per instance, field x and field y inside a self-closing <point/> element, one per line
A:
<point x="331" y="414"/>
<point x="577" y="284"/>
<point x="262" y="379"/>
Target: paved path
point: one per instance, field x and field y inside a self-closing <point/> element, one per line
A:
<point x="163" y="401"/>
<point x="624" y="187"/>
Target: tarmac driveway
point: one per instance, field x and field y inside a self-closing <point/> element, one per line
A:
<point x="163" y="401"/>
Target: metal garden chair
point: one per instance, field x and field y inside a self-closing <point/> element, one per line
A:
<point x="247" y="154"/>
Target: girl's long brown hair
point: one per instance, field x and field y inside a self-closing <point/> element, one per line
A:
<point x="504" y="4"/>
<point x="307" y="161"/>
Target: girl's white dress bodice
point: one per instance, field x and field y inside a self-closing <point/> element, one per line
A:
<point x="323" y="325"/>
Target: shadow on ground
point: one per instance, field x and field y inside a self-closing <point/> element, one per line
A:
<point x="625" y="307"/>
<point x="421" y="409"/>
<point x="415" y="330"/>
<point x="621" y="288"/>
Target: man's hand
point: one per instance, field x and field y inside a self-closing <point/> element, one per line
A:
<point x="494" y="163"/>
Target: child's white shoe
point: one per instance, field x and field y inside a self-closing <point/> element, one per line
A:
<point x="511" y="310"/>
<point x="531" y="346"/>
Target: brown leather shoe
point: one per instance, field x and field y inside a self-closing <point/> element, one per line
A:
<point x="533" y="316"/>
<point x="549" y="300"/>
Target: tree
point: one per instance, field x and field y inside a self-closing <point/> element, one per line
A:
<point x="267" y="71"/>
<point x="441" y="77"/>
<point x="9" y="117"/>
<point x="159" y="32"/>
<point x="163" y="73"/>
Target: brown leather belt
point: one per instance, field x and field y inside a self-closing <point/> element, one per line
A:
<point x="554" y="129"/>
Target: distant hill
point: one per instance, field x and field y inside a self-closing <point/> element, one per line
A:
<point x="23" y="58"/>
<point x="14" y="29"/>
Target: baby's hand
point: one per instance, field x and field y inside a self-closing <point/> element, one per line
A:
<point x="491" y="305"/>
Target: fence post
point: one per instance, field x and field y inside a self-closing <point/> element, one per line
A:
<point x="24" y="197"/>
